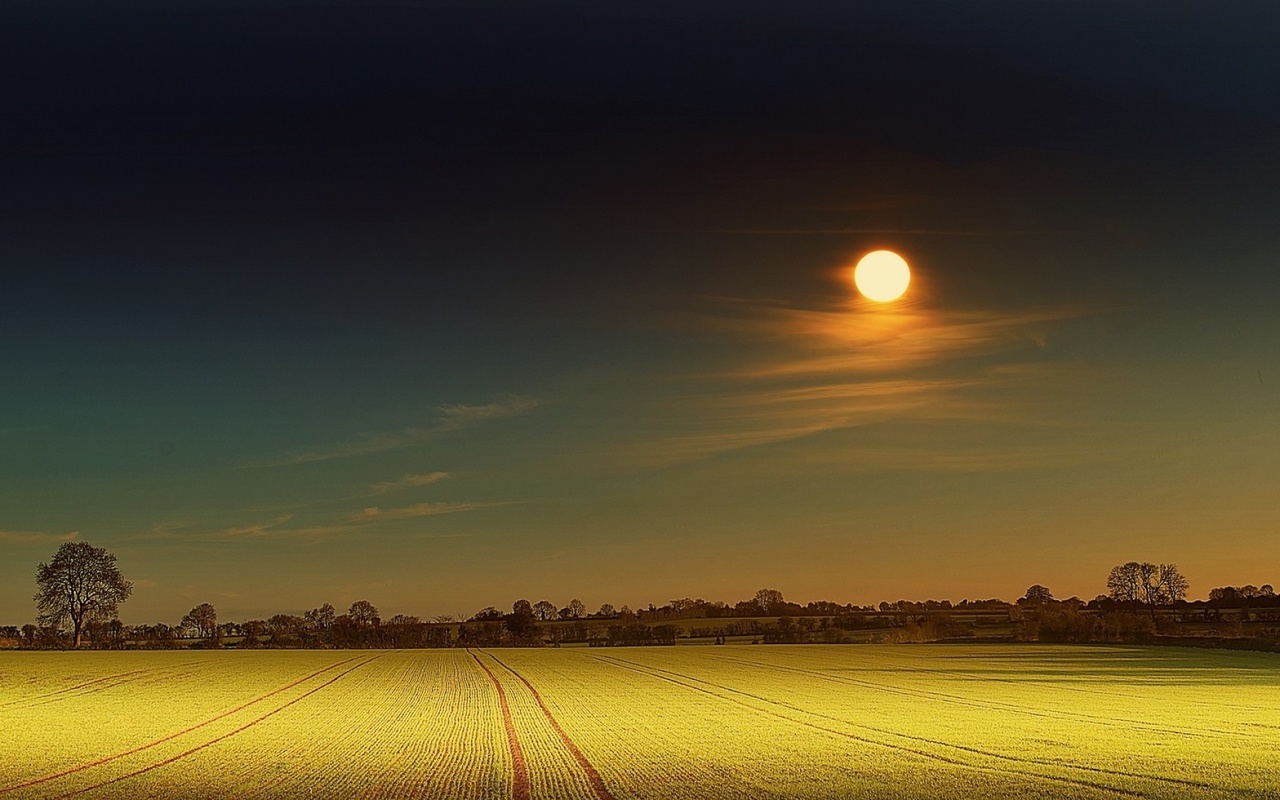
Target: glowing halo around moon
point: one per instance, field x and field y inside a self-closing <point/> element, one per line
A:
<point x="882" y="276"/>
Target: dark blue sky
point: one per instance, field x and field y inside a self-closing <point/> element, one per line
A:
<point x="268" y="270"/>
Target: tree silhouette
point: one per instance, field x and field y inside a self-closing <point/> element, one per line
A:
<point x="1037" y="595"/>
<point x="80" y="584"/>
<point x="544" y="610"/>
<point x="768" y="599"/>
<point x="363" y="613"/>
<point x="1125" y="582"/>
<point x="1134" y="582"/>
<point x="320" y="619"/>
<point x="1172" y="584"/>
<point x="203" y="619"/>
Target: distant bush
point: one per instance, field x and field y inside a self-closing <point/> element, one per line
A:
<point x="1064" y="624"/>
<point x="1124" y="626"/>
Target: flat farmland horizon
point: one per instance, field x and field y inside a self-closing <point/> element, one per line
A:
<point x="800" y="721"/>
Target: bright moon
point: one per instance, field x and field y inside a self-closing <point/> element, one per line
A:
<point x="882" y="275"/>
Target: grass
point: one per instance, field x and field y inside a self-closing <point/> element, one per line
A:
<point x="814" y="721"/>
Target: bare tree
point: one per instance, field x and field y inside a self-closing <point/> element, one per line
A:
<point x="320" y="619"/>
<point x="1037" y="595"/>
<point x="363" y="613"/>
<point x="1149" y="583"/>
<point x="682" y="605"/>
<point x="203" y="619"/>
<point x="606" y="610"/>
<point x="80" y="584"/>
<point x="768" y="599"/>
<point x="285" y="624"/>
<point x="1173" y="585"/>
<point x="544" y="610"/>
<point x="1125" y="583"/>
<point x="577" y="609"/>
<point x="1149" y="586"/>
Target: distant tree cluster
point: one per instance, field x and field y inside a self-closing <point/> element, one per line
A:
<point x="1234" y="596"/>
<point x="1145" y="583"/>
<point x="81" y="589"/>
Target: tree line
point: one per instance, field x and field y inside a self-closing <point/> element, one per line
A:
<point x="81" y="589"/>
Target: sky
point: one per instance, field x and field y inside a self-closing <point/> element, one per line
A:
<point x="446" y="305"/>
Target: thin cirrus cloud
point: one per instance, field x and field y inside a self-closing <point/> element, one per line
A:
<point x="863" y="343"/>
<point x="814" y="371"/>
<point x="408" y="482"/>
<point x="256" y="529"/>
<point x="451" y="417"/>
<point x="375" y="513"/>
<point x="278" y="528"/>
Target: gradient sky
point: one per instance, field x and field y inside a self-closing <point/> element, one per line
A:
<point x="448" y="304"/>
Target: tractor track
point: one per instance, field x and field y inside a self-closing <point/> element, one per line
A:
<point x="169" y="737"/>
<point x="680" y="679"/>
<point x="593" y="776"/>
<point x="520" y="769"/>
<point x="88" y="687"/>
<point x="223" y="737"/>
<point x="1123" y="723"/>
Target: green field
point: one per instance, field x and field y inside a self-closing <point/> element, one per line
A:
<point x="691" y="722"/>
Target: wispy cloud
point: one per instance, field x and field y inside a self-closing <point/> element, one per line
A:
<point x="454" y="416"/>
<point x="408" y="482"/>
<point x="256" y="529"/>
<point x="814" y="371"/>
<point x="450" y="417"/>
<point x="36" y="537"/>
<point x="373" y="513"/>
<point x="871" y="341"/>
<point x="281" y="528"/>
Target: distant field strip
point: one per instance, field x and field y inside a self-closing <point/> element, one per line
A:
<point x="666" y="723"/>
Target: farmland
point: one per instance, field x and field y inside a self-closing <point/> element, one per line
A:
<point x="927" y="721"/>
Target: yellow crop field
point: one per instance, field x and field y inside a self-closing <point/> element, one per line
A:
<point x="873" y="721"/>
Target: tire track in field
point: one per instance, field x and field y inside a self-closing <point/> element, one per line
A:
<point x="168" y="737"/>
<point x="972" y="676"/>
<point x="520" y="778"/>
<point x="994" y="705"/>
<point x="941" y="743"/>
<point x="35" y="699"/>
<point x="228" y="735"/>
<point x="979" y="677"/>
<point x="167" y="676"/>
<point x="593" y="777"/>
<point x="653" y="672"/>
<point x="93" y="686"/>
<point x="1129" y="723"/>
